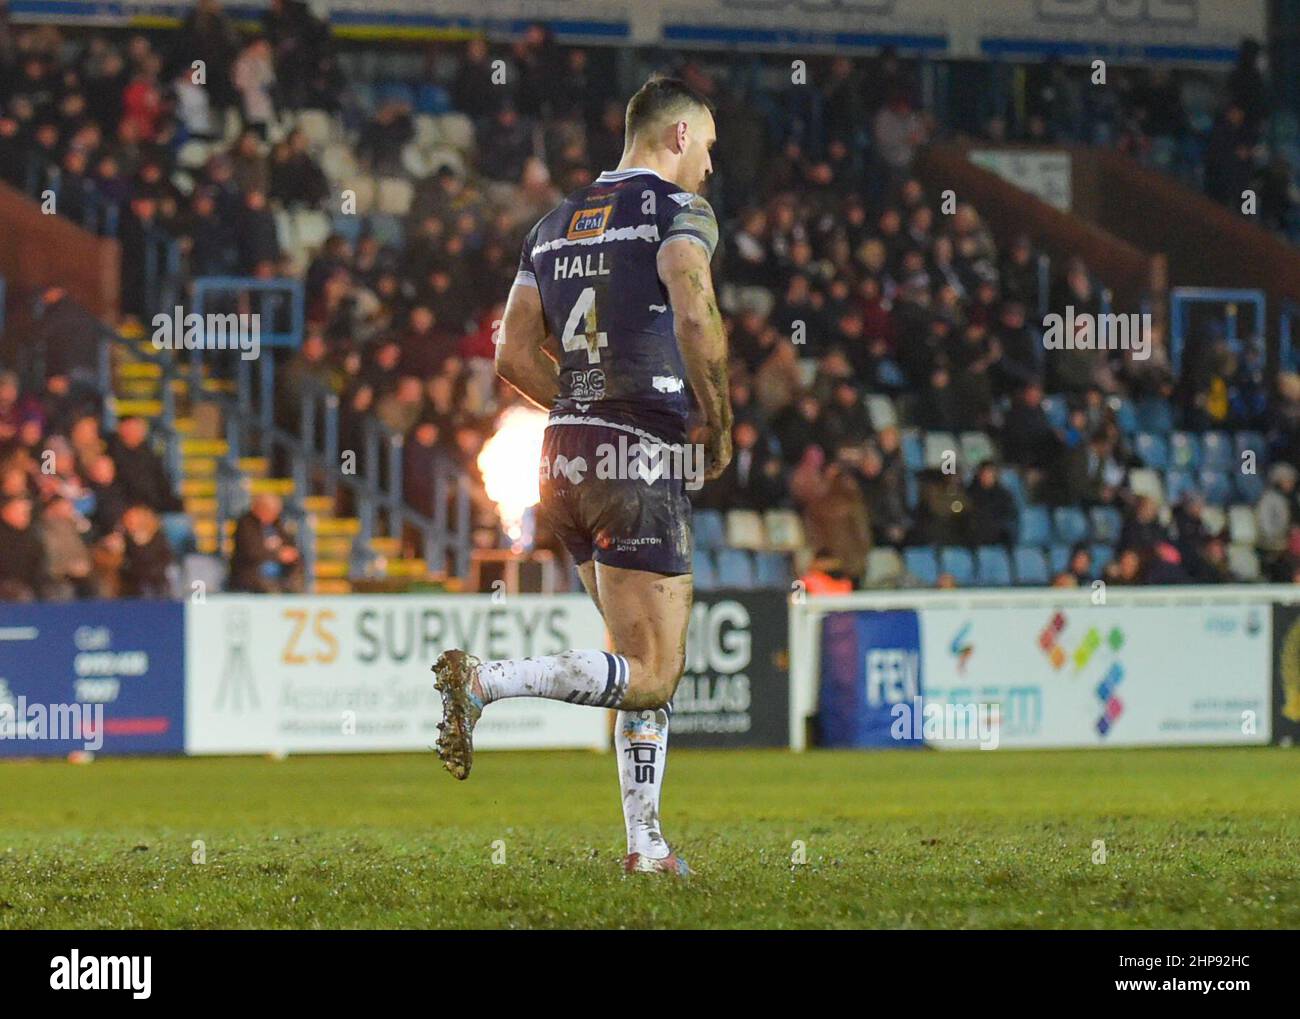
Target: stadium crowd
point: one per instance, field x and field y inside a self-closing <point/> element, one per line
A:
<point x="841" y="284"/>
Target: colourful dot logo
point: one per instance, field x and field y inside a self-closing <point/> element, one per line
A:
<point x="962" y="648"/>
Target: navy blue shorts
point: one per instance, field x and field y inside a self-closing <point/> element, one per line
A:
<point x="635" y="520"/>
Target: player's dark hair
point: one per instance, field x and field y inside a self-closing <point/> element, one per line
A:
<point x="660" y="97"/>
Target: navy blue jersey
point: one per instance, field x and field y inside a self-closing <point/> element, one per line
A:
<point x="593" y="260"/>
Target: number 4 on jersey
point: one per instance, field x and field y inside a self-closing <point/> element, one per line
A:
<point x="590" y="339"/>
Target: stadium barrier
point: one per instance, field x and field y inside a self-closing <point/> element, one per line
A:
<point x="246" y="674"/>
<point x="1054" y="668"/>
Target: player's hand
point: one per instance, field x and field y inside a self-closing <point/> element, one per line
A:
<point x="717" y="452"/>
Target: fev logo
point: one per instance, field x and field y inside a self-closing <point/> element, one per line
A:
<point x="961" y="647"/>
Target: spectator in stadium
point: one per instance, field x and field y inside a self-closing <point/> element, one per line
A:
<point x="264" y="558"/>
<point x="68" y="560"/>
<point x="140" y="471"/>
<point x="836" y="519"/>
<point x="253" y="77"/>
<point x="1276" y="508"/>
<point x="146" y="556"/>
<point x="753" y="478"/>
<point x="825" y="575"/>
<point x="991" y="512"/>
<point x="23" y="576"/>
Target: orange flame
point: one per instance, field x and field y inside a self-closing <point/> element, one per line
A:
<point x="509" y="461"/>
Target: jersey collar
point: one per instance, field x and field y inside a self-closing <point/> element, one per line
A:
<point x="610" y="176"/>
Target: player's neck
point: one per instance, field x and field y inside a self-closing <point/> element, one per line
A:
<point x="645" y="159"/>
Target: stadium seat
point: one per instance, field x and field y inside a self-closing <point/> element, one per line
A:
<point x="784" y="530"/>
<point x="992" y="566"/>
<point x="417" y="162"/>
<point x="884" y="567"/>
<point x="347" y="227"/>
<point x="1058" y="558"/>
<point x="317" y="127"/>
<point x="922" y="564"/>
<point x="913" y="450"/>
<point x="940" y="448"/>
<point x="194" y="154"/>
<point x="1125" y="415"/>
<point x="1101" y="558"/>
<point x="387" y="230"/>
<point x="1153" y="451"/>
<point x="1216" y="452"/>
<point x="1179" y="484"/>
<point x="310" y="228"/>
<point x="1056" y="410"/>
<point x="340" y="166"/>
<point x="1142" y="481"/>
<point x="706" y="577"/>
<point x="395" y="196"/>
<point x="395" y="92"/>
<point x="1243" y="562"/>
<point x="735" y="568"/>
<point x="364" y="188"/>
<point x="911" y="490"/>
<point x="1011" y="481"/>
<point x="1155" y="415"/>
<point x="427" y="133"/>
<point x="457" y="130"/>
<point x="208" y="570"/>
<point x="1250" y="487"/>
<point x="1030" y="566"/>
<point x="1215" y="488"/>
<point x="1243" y="527"/>
<point x="1069" y="525"/>
<point x="745" y="529"/>
<point x="1184" y="451"/>
<point x="880" y="409"/>
<point x="710" y="531"/>
<point x="772" y="569"/>
<point x="1251" y="442"/>
<point x="1035" y="526"/>
<point x="976" y="447"/>
<point x="959" y="562"/>
<point x="1214" y="519"/>
<point x="432" y="99"/>
<point x="178" y="529"/>
<point x="1107" y="522"/>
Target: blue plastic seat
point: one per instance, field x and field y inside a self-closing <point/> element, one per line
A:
<point x="1015" y="485"/>
<point x="710" y="530"/>
<point x="1153" y="450"/>
<point x="1250" y="442"/>
<point x="1155" y="415"/>
<point x="706" y="577"/>
<point x="1125" y="415"/>
<point x="913" y="451"/>
<point x="1070" y="525"/>
<point x="922" y="564"/>
<point x="1107" y="523"/>
<point x="1031" y="567"/>
<point x="178" y="529"/>
<point x="959" y="562"/>
<point x="1057" y="411"/>
<point x="1250" y="487"/>
<point x="735" y="568"/>
<point x="1216" y="488"/>
<point x="992" y="566"/>
<point x="347" y="227"/>
<point x="911" y="490"/>
<point x="1216" y="452"/>
<point x="772" y="569"/>
<point x="1184" y="451"/>
<point x="1101" y="558"/>
<point x="1179" y="484"/>
<point x="386" y="229"/>
<point x="1058" y="558"/>
<point x="432" y="99"/>
<point x="1035" y="526"/>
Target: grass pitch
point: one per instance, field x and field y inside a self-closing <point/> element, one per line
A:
<point x="1193" y="838"/>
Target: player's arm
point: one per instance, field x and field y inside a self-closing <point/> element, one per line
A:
<point x="684" y="269"/>
<point x="522" y="358"/>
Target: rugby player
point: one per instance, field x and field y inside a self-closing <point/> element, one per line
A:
<point x="611" y="316"/>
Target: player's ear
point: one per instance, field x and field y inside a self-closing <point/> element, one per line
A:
<point x="680" y="131"/>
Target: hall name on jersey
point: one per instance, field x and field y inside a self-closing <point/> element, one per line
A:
<point x="575" y="266"/>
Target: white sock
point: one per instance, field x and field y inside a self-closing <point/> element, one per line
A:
<point x="641" y="743"/>
<point x="597" y="678"/>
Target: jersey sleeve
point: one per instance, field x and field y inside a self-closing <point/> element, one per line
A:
<point x="526" y="275"/>
<point x="692" y="219"/>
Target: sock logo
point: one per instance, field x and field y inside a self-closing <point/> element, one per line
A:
<point x="643" y="757"/>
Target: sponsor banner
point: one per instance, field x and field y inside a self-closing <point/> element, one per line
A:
<point x="735" y="691"/>
<point x="1286" y="674"/>
<point x="870" y="662"/>
<point x="351" y="673"/>
<point x="105" y="677"/>
<point x="1096" y="676"/>
<point x="1172" y="31"/>
<point x="1044" y="174"/>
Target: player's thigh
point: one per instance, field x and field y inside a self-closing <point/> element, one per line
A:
<point x="648" y="615"/>
<point x="587" y="574"/>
